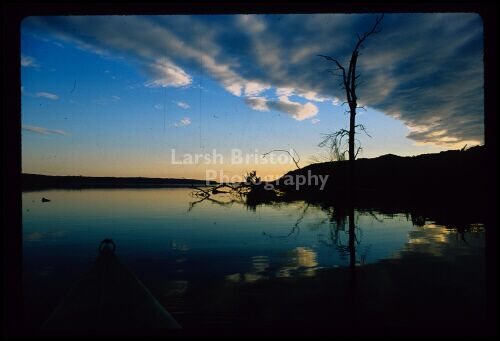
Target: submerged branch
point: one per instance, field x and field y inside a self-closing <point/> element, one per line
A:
<point x="252" y="188"/>
<point x="213" y="201"/>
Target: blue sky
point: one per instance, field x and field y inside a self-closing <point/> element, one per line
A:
<point x="112" y="96"/>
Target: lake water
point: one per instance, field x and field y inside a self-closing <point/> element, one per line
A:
<point x="218" y="264"/>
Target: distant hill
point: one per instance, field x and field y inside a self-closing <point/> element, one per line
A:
<point x="448" y="175"/>
<point x="36" y="181"/>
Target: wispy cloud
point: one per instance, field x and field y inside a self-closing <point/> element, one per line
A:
<point x="44" y="131"/>
<point x="182" y="105"/>
<point x="296" y="110"/>
<point x="27" y="61"/>
<point x="47" y="95"/>
<point x="255" y="88"/>
<point x="166" y="74"/>
<point x="183" y="122"/>
<point x="257" y="103"/>
<point x="315" y="121"/>
<point x="429" y="84"/>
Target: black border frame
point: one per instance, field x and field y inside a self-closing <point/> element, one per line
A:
<point x="13" y="15"/>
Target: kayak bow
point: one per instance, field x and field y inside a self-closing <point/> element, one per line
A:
<point x="109" y="296"/>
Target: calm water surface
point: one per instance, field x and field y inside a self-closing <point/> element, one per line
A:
<point x="185" y="254"/>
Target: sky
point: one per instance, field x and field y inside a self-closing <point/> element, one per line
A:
<point x="138" y="95"/>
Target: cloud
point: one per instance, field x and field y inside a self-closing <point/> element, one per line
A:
<point x="183" y="122"/>
<point x="425" y="69"/>
<point x="115" y="98"/>
<point x="27" y="61"/>
<point x="296" y="110"/>
<point x="235" y="89"/>
<point x="315" y="121"/>
<point x="257" y="103"/>
<point x="43" y="131"/>
<point x="312" y="96"/>
<point x="166" y="74"/>
<point x="47" y="95"/>
<point x="182" y="105"/>
<point x="284" y="92"/>
<point x="254" y="88"/>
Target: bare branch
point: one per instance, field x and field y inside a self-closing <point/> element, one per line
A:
<point x="297" y="154"/>
<point x="362" y="127"/>
<point x="340" y="68"/>
<point x="334" y="144"/>
<point x="357" y="151"/>
<point x="332" y="72"/>
<point x="332" y="60"/>
<point x="213" y="201"/>
<point x="375" y="29"/>
<point x="286" y="151"/>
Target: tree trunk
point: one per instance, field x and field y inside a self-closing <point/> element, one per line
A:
<point x="352" y="125"/>
<point x="352" y="155"/>
<point x="353" y="104"/>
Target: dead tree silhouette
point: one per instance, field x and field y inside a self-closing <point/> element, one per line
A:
<point x="349" y="85"/>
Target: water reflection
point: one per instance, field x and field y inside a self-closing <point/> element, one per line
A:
<point x="44" y="235"/>
<point x="178" y="252"/>
<point x="143" y="221"/>
<point x="299" y="261"/>
<point x="178" y="246"/>
<point x="346" y="229"/>
<point x="259" y="270"/>
<point x="435" y="240"/>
